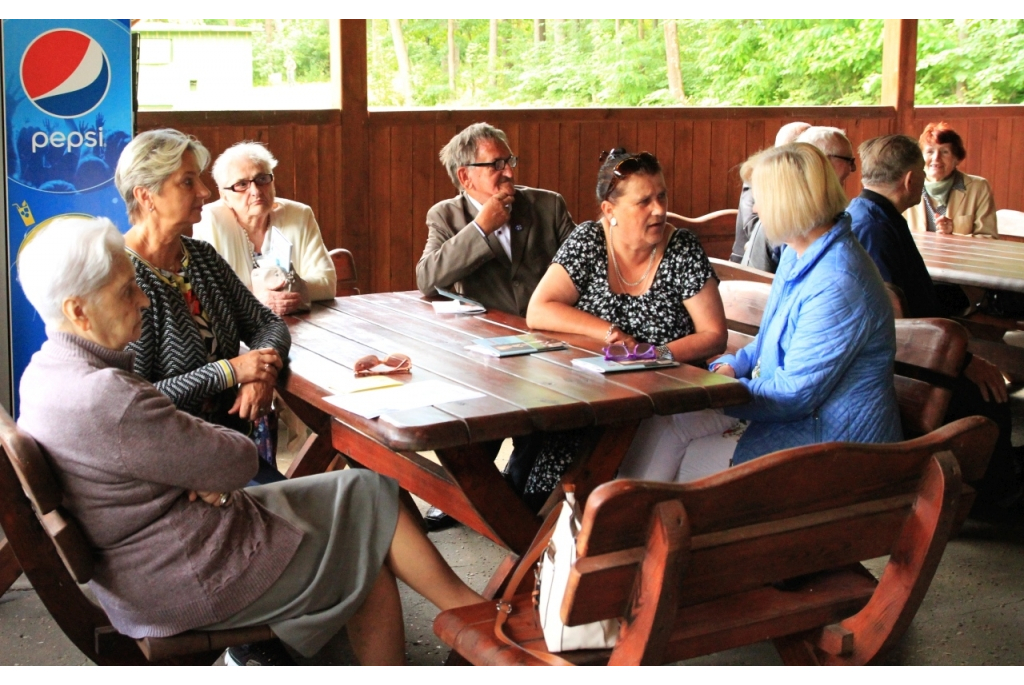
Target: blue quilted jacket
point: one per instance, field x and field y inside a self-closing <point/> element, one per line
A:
<point x="825" y="351"/>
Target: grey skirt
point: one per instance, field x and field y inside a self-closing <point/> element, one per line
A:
<point x="348" y="520"/>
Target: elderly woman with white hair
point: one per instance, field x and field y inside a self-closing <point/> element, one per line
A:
<point x="821" y="367"/>
<point x="239" y="226"/>
<point x="159" y="493"/>
<point x="200" y="310"/>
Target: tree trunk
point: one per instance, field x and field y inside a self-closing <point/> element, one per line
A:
<point x="453" y="55"/>
<point x="618" y="27"/>
<point x="640" y="29"/>
<point x="538" y="31"/>
<point x="961" y="38"/>
<point x="556" y="30"/>
<point x="492" y="54"/>
<point x="402" y="55"/>
<point x="675" y="75"/>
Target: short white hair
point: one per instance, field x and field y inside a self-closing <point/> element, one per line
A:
<point x="828" y="139"/>
<point x="71" y="257"/>
<point x="790" y="132"/>
<point x="254" y="152"/>
<point x="150" y="158"/>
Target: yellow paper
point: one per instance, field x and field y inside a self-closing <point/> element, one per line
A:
<point x="366" y="383"/>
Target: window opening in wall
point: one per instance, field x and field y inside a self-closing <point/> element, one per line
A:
<point x="469" y="63"/>
<point x="243" y="64"/>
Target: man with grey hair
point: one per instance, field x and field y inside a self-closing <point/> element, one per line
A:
<point x="494" y="241"/>
<point x="832" y="141"/>
<point x="747" y="222"/>
<point x="892" y="172"/>
<point x="836" y="146"/>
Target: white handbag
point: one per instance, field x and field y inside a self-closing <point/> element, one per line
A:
<point x="553" y="577"/>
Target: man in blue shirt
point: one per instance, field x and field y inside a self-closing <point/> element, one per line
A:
<point x="892" y="172"/>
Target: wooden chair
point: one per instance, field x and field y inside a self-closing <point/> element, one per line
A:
<point x="55" y="556"/>
<point x="345" y="267"/>
<point x="716" y="230"/>
<point x="767" y="550"/>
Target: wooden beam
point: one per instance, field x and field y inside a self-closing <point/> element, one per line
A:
<point x="899" y="70"/>
<point x="354" y="231"/>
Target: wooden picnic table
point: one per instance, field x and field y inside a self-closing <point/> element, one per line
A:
<point x="522" y="395"/>
<point x="982" y="262"/>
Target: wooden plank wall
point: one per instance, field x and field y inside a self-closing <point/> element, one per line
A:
<point x="700" y="149"/>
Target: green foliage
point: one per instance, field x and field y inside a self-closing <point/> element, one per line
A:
<point x="734" y="62"/>
<point x="970" y="61"/>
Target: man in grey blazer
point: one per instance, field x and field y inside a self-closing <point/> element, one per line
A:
<point x="491" y="243"/>
<point x="494" y="241"/>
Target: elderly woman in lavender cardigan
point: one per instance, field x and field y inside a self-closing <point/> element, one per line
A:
<point x="158" y="492"/>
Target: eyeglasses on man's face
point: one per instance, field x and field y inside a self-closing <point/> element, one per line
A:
<point x="260" y="180"/>
<point x="499" y="164"/>
<point x="852" y="161"/>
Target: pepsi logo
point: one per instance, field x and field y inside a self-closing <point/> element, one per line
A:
<point x="65" y="73"/>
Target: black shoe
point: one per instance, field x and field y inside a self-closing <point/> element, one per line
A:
<point x="267" y="653"/>
<point x="436" y="520"/>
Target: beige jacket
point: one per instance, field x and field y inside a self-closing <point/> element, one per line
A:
<point x="972" y="210"/>
<point x="295" y="220"/>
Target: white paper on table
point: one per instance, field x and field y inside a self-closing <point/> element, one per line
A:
<point x="370" y="405"/>
<point x="456" y="307"/>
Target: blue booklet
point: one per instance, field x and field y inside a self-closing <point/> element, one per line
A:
<point x="513" y="345"/>
<point x="602" y="365"/>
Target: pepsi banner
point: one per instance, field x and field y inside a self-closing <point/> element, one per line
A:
<point x="68" y="114"/>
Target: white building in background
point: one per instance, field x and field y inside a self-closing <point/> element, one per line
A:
<point x="194" y="67"/>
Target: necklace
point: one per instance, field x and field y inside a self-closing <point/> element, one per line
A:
<point x="615" y="265"/>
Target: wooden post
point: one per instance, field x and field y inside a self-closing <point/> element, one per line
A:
<point x="354" y="231"/>
<point x="899" y="71"/>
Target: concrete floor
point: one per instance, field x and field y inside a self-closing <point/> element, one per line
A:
<point x="973" y="613"/>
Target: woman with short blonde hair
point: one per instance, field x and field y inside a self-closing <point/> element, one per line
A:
<point x="821" y="366"/>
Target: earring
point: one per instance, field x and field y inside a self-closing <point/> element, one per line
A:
<point x="614" y="221"/>
<point x="152" y="208"/>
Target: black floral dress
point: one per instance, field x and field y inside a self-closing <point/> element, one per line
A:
<point x="657" y="316"/>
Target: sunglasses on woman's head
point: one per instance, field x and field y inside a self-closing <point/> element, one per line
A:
<point x="628" y="165"/>
<point x="622" y="353"/>
<point x="392" y="363"/>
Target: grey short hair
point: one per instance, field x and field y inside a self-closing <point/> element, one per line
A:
<point x="825" y="138"/>
<point x="885" y="160"/>
<point x="71" y="257"/>
<point x="150" y="158"/>
<point x="790" y="132"/>
<point x="461" y="149"/>
<point x="256" y="153"/>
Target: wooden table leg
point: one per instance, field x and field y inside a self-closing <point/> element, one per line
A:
<point x="317" y="454"/>
<point x="466" y="486"/>
<point x="9" y="568"/>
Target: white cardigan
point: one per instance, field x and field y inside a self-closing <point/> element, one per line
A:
<point x="295" y="220"/>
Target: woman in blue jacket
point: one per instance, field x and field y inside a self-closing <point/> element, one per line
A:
<point x="821" y="368"/>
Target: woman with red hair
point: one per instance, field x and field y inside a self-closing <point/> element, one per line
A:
<point x="952" y="201"/>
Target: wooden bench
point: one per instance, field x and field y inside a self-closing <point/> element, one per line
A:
<point x="767" y="550"/>
<point x="715" y="230"/>
<point x="55" y="557"/>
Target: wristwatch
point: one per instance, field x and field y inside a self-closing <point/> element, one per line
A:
<point x="664" y="352"/>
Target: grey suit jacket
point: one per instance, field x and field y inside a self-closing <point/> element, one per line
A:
<point x="458" y="256"/>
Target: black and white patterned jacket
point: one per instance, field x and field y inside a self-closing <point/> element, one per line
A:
<point x="171" y="353"/>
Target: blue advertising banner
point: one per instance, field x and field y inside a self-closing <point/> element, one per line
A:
<point x="68" y="115"/>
